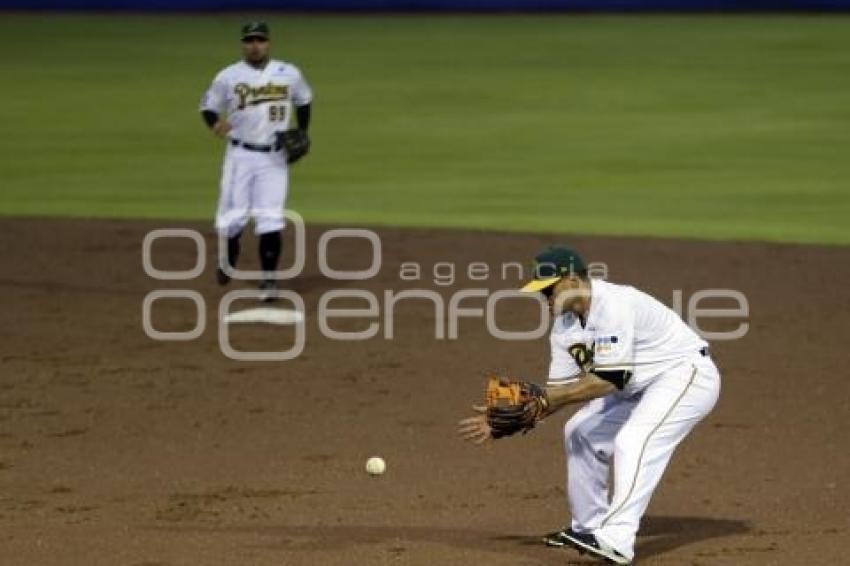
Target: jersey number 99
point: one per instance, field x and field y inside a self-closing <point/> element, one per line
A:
<point x="277" y="113"/>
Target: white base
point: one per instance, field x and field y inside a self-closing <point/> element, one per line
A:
<point x="267" y="315"/>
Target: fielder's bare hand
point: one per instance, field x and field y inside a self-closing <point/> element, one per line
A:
<point x="475" y="429"/>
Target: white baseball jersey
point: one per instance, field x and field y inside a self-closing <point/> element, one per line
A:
<point x="258" y="102"/>
<point x="625" y="329"/>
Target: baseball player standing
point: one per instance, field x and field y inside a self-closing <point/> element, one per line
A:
<point x="646" y="379"/>
<point x="250" y="104"/>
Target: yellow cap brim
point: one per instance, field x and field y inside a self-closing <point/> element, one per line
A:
<point x="539" y="284"/>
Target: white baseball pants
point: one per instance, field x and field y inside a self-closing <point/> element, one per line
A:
<point x="253" y="184"/>
<point x="640" y="434"/>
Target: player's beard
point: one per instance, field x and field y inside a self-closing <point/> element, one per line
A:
<point x="257" y="58"/>
<point x="259" y="61"/>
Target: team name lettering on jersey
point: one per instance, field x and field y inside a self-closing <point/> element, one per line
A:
<point x="582" y="355"/>
<point x="251" y="95"/>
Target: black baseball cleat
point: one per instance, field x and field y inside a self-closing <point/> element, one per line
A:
<point x="222" y="277"/>
<point x="586" y="543"/>
<point x="268" y="291"/>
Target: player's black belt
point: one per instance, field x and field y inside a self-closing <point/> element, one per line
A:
<point x="704" y="352"/>
<point x="254" y="147"/>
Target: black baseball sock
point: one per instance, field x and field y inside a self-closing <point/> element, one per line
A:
<point x="233" y="250"/>
<point x="270" y="246"/>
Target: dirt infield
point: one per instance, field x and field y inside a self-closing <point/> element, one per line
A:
<point x="117" y="449"/>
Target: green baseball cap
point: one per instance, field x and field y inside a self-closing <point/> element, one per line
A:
<point x="551" y="265"/>
<point x="255" y="29"/>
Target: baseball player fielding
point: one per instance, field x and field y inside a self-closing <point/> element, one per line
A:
<point x="645" y="379"/>
<point x="250" y="105"/>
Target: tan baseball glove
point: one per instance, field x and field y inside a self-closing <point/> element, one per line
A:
<point x="513" y="406"/>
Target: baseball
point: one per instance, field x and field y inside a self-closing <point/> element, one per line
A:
<point x="375" y="466"/>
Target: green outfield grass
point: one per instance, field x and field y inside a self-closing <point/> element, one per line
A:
<point x="706" y="127"/>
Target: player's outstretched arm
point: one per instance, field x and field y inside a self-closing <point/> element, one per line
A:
<point x="516" y="406"/>
<point x="586" y="388"/>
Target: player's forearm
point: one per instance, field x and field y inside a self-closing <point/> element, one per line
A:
<point x="302" y="113"/>
<point x="220" y="127"/>
<point x="586" y="388"/>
